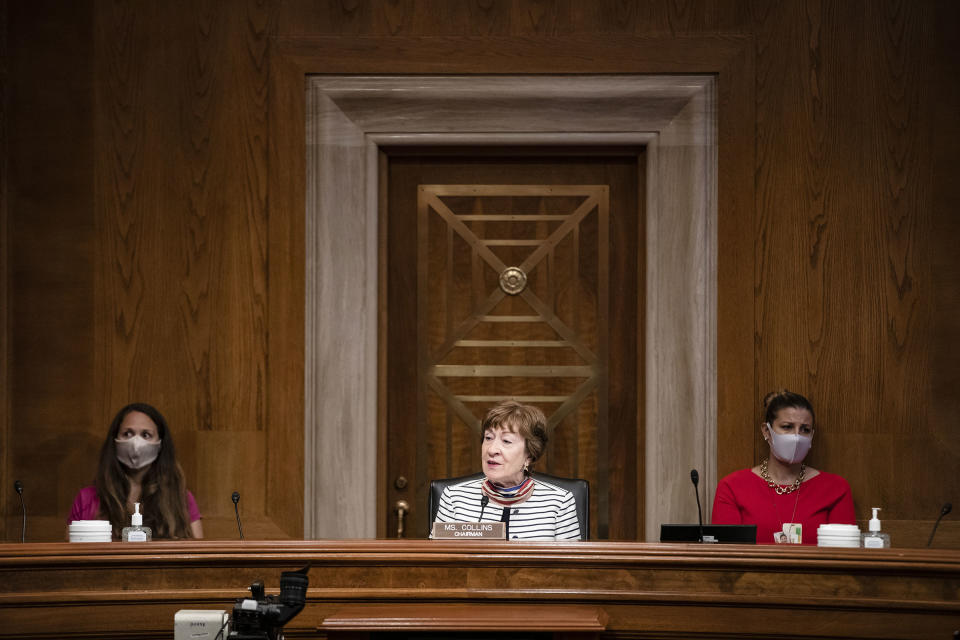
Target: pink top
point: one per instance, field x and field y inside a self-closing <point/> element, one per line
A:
<point x="86" y="506"/>
<point x="743" y="497"/>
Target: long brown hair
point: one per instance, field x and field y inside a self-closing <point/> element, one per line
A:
<point x="163" y="497"/>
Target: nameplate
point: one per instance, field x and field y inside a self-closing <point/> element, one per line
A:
<point x="469" y="530"/>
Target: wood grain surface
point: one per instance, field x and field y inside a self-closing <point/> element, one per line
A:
<point x="5" y="348"/>
<point x="159" y="290"/>
<point x="845" y="294"/>
<point x="637" y="590"/>
<point x="153" y="192"/>
<point x="182" y="237"/>
<point x="462" y="618"/>
<point x="50" y="256"/>
<point x="577" y="445"/>
<point x="350" y="110"/>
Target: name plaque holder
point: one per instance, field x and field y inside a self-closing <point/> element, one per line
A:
<point x="470" y="530"/>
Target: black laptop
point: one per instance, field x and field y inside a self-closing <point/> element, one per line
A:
<point x="723" y="533"/>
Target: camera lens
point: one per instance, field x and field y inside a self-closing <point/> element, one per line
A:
<point x="293" y="588"/>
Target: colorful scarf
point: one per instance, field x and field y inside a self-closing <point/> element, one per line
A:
<point x="507" y="495"/>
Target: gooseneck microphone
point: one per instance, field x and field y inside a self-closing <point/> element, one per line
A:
<point x="484" y="501"/>
<point x="236" y="499"/>
<point x="505" y="518"/>
<point x="18" y="487"/>
<point x="944" y="510"/>
<point x="695" y="478"/>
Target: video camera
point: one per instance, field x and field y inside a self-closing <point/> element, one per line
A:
<point x="261" y="617"/>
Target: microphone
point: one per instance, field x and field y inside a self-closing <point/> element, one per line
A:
<point x="18" y="487"/>
<point x="484" y="501"/>
<point x="236" y="499"/>
<point x="505" y="518"/>
<point x="695" y="478"/>
<point x="944" y="510"/>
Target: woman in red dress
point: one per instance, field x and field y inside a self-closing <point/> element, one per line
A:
<point x="784" y="497"/>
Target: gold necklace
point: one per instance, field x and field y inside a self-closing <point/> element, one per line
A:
<point x="776" y="487"/>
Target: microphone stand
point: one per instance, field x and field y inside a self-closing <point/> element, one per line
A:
<point x="18" y="487"/>
<point x="695" y="478"/>
<point x="483" y="506"/>
<point x="947" y="508"/>
<point x="236" y="499"/>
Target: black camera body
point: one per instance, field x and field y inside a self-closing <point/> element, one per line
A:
<point x="261" y="617"/>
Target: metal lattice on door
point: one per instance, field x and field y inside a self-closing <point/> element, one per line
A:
<point x="513" y="287"/>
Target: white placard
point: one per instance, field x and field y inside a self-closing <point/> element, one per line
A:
<point x="469" y="530"/>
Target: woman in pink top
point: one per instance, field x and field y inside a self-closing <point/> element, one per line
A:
<point x="786" y="499"/>
<point x="138" y="463"/>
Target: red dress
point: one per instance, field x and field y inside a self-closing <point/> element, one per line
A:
<point x="743" y="497"/>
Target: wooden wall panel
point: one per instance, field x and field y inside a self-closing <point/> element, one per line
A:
<point x="845" y="290"/>
<point x="148" y="259"/>
<point x="286" y="152"/>
<point x="50" y="224"/>
<point x="512" y="17"/>
<point x="182" y="166"/>
<point x="944" y="129"/>
<point x="6" y="498"/>
<point x="141" y="262"/>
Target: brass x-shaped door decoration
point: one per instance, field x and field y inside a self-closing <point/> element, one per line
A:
<point x="512" y="281"/>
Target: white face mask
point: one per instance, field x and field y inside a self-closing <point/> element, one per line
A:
<point x="136" y="453"/>
<point x="789" y="448"/>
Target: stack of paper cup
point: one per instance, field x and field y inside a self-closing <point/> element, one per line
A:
<point x="91" y="531"/>
<point x="838" y="535"/>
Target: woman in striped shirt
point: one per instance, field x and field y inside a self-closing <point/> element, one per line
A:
<point x="514" y="437"/>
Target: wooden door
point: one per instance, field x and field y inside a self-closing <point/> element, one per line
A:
<point x="513" y="276"/>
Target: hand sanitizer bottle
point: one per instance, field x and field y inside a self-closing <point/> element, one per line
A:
<point x="875" y="539"/>
<point x="136" y="532"/>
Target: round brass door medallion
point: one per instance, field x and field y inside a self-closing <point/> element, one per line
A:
<point x="513" y="280"/>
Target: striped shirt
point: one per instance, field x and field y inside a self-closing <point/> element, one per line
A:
<point x="550" y="513"/>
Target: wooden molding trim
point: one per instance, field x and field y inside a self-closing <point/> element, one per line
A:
<point x="685" y="590"/>
<point x="473" y="553"/>
<point x="458" y="617"/>
<point x="728" y="58"/>
<point x="351" y="117"/>
<point x="600" y="53"/>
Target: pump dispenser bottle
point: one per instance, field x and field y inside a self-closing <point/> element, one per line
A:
<point x="875" y="539"/>
<point x="136" y="532"/>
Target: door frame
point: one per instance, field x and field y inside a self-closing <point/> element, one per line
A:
<point x="352" y="118"/>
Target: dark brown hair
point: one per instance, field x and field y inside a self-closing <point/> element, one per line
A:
<point x="163" y="497"/>
<point x="774" y="401"/>
<point x="523" y="419"/>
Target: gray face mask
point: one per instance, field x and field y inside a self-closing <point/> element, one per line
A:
<point x="789" y="448"/>
<point x="136" y="453"/>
